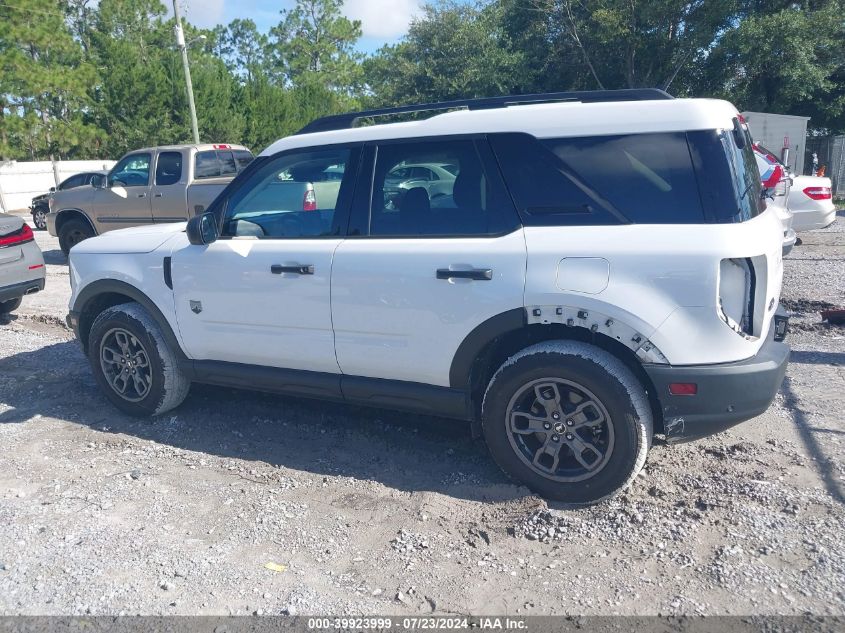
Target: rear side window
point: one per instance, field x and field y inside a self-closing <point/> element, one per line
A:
<point x="169" y="168"/>
<point x="649" y="178"/>
<point x="546" y="191"/>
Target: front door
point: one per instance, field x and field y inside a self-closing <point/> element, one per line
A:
<point x="126" y="199"/>
<point x="260" y="294"/>
<point x="170" y="188"/>
<point x="427" y="269"/>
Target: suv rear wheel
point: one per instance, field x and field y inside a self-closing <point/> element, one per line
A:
<point x="132" y="362"/>
<point x="72" y="233"/>
<point x="569" y="420"/>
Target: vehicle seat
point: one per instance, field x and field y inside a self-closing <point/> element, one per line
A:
<point x="414" y="210"/>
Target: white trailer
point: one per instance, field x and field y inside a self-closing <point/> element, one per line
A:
<point x="783" y="134"/>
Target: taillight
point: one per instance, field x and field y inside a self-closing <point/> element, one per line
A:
<point x="774" y="178"/>
<point x="21" y="236"/>
<point x="309" y="201"/>
<point x="818" y="193"/>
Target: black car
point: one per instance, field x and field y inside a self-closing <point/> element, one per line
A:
<point x="40" y="206"/>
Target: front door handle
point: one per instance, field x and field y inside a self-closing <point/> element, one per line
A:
<point x="142" y="195"/>
<point x="158" y="195"/>
<point x="298" y="269"/>
<point x="479" y="274"/>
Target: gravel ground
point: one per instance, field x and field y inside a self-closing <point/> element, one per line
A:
<point x="365" y="511"/>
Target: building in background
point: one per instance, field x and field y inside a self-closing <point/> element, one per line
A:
<point x="782" y="134"/>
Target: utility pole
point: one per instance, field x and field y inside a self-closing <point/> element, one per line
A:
<point x="180" y="43"/>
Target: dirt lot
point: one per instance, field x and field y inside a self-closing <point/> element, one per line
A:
<point x="377" y="512"/>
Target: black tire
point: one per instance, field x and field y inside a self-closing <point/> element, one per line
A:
<point x="611" y="431"/>
<point x="10" y="306"/>
<point x="164" y="386"/>
<point x="39" y="218"/>
<point x="72" y="233"/>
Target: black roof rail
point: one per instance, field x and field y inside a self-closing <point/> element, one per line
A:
<point x="349" y="119"/>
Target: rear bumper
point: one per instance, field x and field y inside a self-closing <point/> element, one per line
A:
<point x="20" y="289"/>
<point x="728" y="393"/>
<point x="789" y="239"/>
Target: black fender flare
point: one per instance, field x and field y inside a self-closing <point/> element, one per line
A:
<point x="113" y="286"/>
<point x="75" y="211"/>
<point x="471" y="347"/>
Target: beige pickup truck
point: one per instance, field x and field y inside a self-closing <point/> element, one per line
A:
<point x="147" y="186"/>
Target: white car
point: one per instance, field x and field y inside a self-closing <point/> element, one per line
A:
<point x="21" y="263"/>
<point x="777" y="185"/>
<point x="811" y="203"/>
<point x="809" y="198"/>
<point x="584" y="286"/>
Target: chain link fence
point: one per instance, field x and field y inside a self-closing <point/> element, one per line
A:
<point x="830" y="151"/>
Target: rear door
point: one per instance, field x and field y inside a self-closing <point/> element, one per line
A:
<point x="417" y="274"/>
<point x="170" y="187"/>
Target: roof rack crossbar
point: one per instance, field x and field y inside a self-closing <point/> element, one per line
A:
<point x="349" y="119"/>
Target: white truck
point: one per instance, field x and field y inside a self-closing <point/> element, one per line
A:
<point x="603" y="268"/>
<point x="153" y="185"/>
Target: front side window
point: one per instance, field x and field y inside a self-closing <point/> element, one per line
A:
<point x="298" y="194"/>
<point x="408" y="200"/>
<point x="169" y="168"/>
<point x="131" y="171"/>
<point x="70" y="183"/>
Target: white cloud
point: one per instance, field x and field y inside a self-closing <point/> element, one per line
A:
<point x="386" y="19"/>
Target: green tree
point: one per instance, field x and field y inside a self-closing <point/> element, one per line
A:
<point x="314" y="44"/>
<point x="785" y="57"/>
<point x="43" y="79"/>
<point x="453" y="51"/>
<point x="243" y="48"/>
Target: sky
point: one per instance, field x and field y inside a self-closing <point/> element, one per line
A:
<point x="382" y="21"/>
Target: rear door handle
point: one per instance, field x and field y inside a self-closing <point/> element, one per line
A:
<point x="158" y="195"/>
<point x="299" y="269"/>
<point x="142" y="195"/>
<point x="479" y="274"/>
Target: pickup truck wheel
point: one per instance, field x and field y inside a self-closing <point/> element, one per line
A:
<point x="39" y="219"/>
<point x="132" y="363"/>
<point x="10" y="306"/>
<point x="72" y="233"/>
<point x="569" y="420"/>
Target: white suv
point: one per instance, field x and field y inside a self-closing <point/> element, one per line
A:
<point x="601" y="268"/>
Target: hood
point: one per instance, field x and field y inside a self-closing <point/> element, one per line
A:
<point x="138" y="239"/>
<point x="43" y="196"/>
<point x="9" y="223"/>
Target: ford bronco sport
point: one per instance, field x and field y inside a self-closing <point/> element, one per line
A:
<point x="601" y="269"/>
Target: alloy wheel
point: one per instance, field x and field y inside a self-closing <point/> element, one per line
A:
<point x="126" y="365"/>
<point x="560" y="429"/>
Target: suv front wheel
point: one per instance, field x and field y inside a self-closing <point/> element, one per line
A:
<point x="132" y="362"/>
<point x="569" y="420"/>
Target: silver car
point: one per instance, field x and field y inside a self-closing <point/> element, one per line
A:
<point x="21" y="262"/>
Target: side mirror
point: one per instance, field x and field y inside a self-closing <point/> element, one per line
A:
<point x="99" y="181"/>
<point x="52" y="190"/>
<point x="202" y="229"/>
